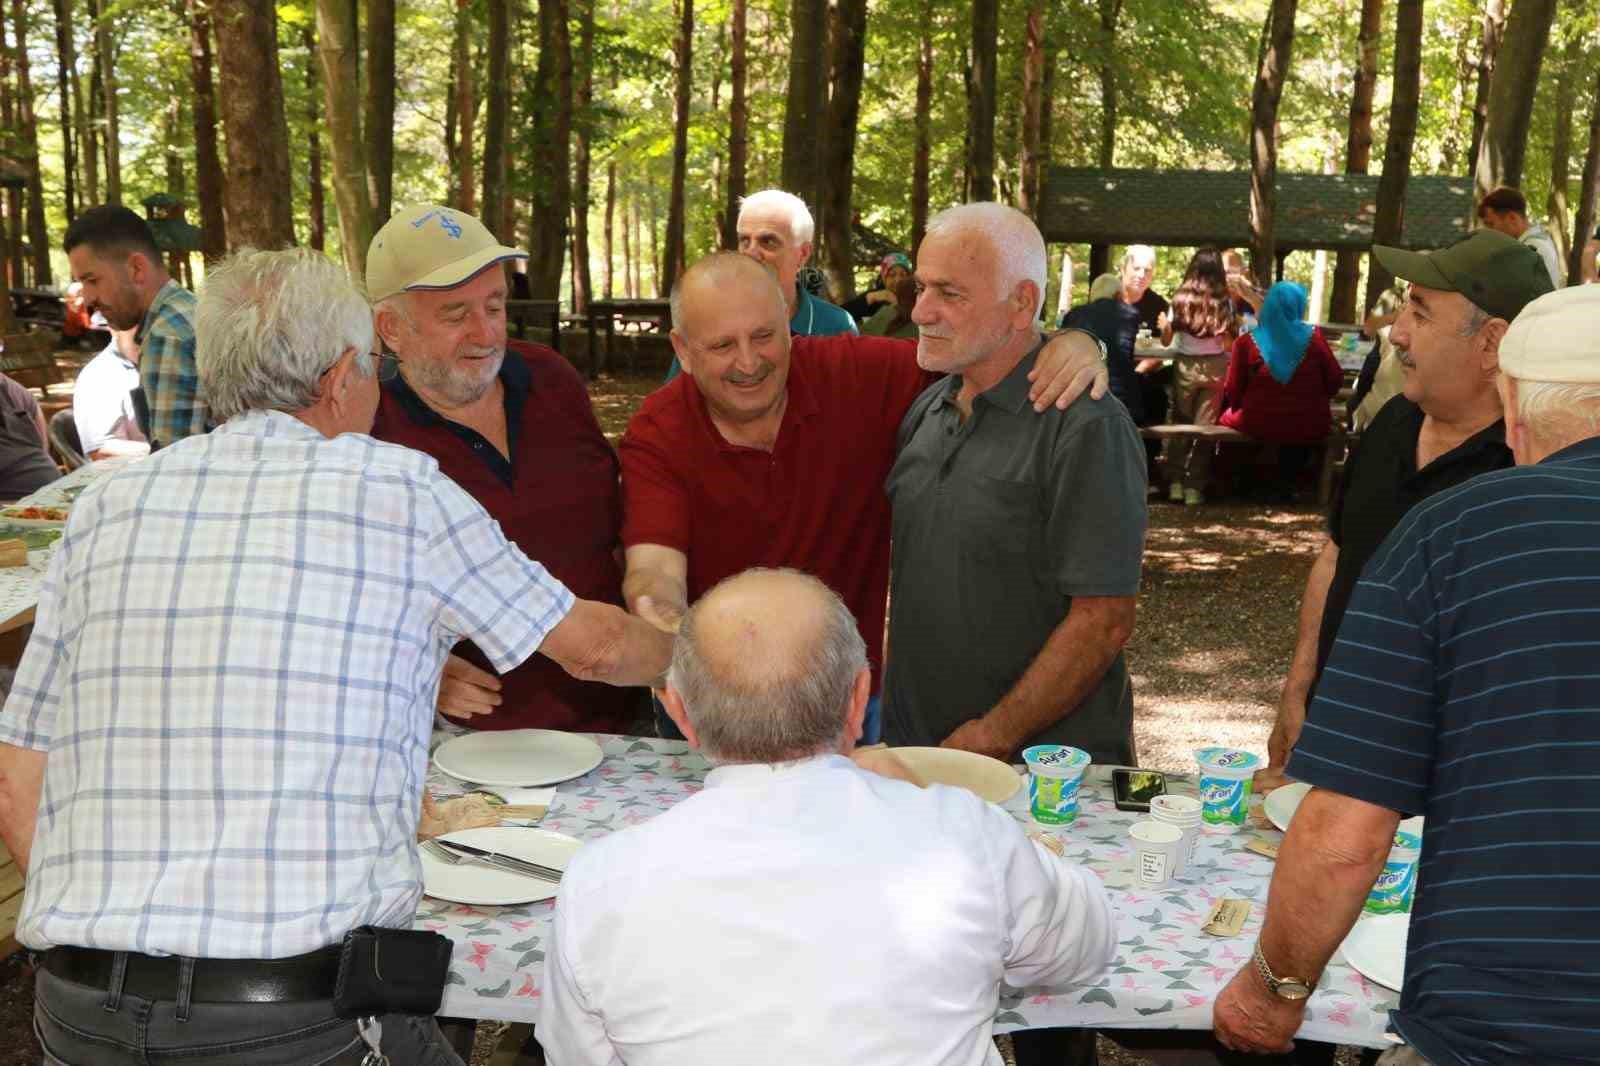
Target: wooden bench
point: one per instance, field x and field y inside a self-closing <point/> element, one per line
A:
<point x="1334" y="446"/>
<point x="10" y="902"/>
<point x="30" y="358"/>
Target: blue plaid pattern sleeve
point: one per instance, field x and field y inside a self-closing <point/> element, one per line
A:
<point x="167" y="370"/>
<point x="233" y="672"/>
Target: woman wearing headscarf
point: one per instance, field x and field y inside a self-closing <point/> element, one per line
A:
<point x="891" y="270"/>
<point x="894" y="319"/>
<point x="1117" y="325"/>
<point x="1280" y="379"/>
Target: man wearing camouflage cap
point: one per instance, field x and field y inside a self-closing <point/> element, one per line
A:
<point x="1444" y="428"/>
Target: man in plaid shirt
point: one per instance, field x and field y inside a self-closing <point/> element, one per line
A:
<point x="212" y="759"/>
<point x="114" y="255"/>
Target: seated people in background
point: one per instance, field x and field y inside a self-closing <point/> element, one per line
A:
<point x="25" y="463"/>
<point x="772" y="451"/>
<point x="1116" y="323"/>
<point x="102" y="415"/>
<point x="75" y="324"/>
<point x="1280" y="381"/>
<point x="1462" y="685"/>
<point x="510" y="422"/>
<point x="1506" y="209"/>
<point x="1245" y="295"/>
<point x="895" y="268"/>
<point x="1155" y="376"/>
<point x="225" y="709"/>
<point x="894" y="319"/>
<point x="771" y="917"/>
<point x="1200" y="330"/>
<point x="1381" y="375"/>
<point x="1444" y="428"/>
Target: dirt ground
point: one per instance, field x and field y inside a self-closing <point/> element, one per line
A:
<point x="1215" y="629"/>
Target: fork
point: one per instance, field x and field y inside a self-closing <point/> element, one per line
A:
<point x="456" y="858"/>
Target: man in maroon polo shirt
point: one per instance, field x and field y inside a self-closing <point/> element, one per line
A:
<point x="511" y="424"/>
<point x="772" y="451"/>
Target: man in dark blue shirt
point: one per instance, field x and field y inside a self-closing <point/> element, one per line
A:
<point x="1463" y="686"/>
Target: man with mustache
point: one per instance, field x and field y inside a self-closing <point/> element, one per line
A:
<point x="1444" y="428"/>
<point x="772" y="452"/>
<point x="509" y="422"/>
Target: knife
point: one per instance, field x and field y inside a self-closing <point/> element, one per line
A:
<point x="505" y="862"/>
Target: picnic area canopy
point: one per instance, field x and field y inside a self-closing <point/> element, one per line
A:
<point x="1090" y="205"/>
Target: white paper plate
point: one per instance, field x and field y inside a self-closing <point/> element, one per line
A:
<point x="484" y="886"/>
<point x="1376" y="948"/>
<point x="986" y="778"/>
<point x="517" y="757"/>
<point x="1281" y="803"/>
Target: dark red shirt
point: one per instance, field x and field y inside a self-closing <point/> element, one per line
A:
<point x="815" y="503"/>
<point x="556" y="499"/>
<point x="1294" y="412"/>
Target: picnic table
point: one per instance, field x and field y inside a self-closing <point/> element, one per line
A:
<point x="1167" y="973"/>
<point x="38" y="305"/>
<point x="653" y="316"/>
<point x="520" y="314"/>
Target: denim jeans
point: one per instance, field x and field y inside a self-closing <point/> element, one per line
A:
<point x="871" y="725"/>
<point x="82" y="1026"/>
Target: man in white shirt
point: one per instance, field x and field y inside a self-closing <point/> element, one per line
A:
<point x="802" y="909"/>
<point x="102" y="401"/>
<point x="1506" y="209"/>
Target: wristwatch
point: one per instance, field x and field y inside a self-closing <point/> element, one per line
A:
<point x="1293" y="989"/>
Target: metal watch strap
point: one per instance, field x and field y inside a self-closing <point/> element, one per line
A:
<point x="1274" y="982"/>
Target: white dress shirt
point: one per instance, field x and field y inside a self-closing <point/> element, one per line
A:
<point x="102" y="400"/>
<point x="807" y="914"/>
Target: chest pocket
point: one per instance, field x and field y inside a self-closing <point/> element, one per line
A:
<point x="997" y="519"/>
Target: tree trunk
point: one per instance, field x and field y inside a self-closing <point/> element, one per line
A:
<point x="1270" y="74"/>
<point x="655" y="246"/>
<point x="28" y="128"/>
<point x="552" y="125"/>
<point x="1585" y="224"/>
<point x="1047" y="93"/>
<point x="66" y="91"/>
<point x="1494" y="26"/>
<point x="981" y="99"/>
<point x="839" y="161"/>
<point x="108" y="86"/>
<point x="609" y="266"/>
<point x="316" y="206"/>
<point x="1033" y="66"/>
<point x="1358" y="153"/>
<point x="922" y="124"/>
<point x="672" y="266"/>
<point x="808" y="79"/>
<point x="1516" y="78"/>
<point x="1557" y="211"/>
<point x="738" y="124"/>
<point x="629" y="287"/>
<point x="338" y="59"/>
<point x="258" y="194"/>
<point x="208" y="182"/>
<point x="1389" y="223"/>
<point x="8" y="119"/>
<point x="1110" y="16"/>
<point x="496" y="118"/>
<point x="582" y="282"/>
<point x="463" y="95"/>
<point x="377" y="115"/>
<point x="172" y="134"/>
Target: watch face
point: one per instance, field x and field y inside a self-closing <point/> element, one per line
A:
<point x="1292" y="990"/>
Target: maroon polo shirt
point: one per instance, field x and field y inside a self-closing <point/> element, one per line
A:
<point x="556" y="499"/>
<point x="815" y="502"/>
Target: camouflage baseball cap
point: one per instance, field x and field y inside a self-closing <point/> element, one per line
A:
<point x="1499" y="274"/>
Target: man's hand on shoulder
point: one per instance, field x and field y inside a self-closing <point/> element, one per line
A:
<point x="1069" y="364"/>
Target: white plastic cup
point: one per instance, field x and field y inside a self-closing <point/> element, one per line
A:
<point x="1183" y="813"/>
<point x="1156" y="847"/>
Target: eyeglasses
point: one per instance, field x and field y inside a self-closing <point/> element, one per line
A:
<point x="388" y="365"/>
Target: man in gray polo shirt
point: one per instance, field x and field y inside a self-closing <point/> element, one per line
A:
<point x="1017" y="537"/>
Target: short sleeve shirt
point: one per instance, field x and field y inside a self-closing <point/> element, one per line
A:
<point x="168" y="374"/>
<point x="998" y="523"/>
<point x="815" y="502"/>
<point x="24" y="464"/>
<point x="1464" y="686"/>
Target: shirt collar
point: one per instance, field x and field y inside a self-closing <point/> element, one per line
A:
<point x="514" y="375"/>
<point x="269" y="424"/>
<point x="802" y="404"/>
<point x="805" y="312"/>
<point x="163" y="294"/>
<point x="1010" y="393"/>
<point x="757" y="774"/>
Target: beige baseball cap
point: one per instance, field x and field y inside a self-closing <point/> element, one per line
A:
<point x="430" y="247"/>
<point x="1554" y="338"/>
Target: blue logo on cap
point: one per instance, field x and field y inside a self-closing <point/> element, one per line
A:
<point x="446" y="223"/>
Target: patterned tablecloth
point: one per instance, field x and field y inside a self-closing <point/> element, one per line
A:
<point x="1166" y="975"/>
<point x="19" y="585"/>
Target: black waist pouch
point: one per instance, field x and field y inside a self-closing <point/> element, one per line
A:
<point x="391" y="970"/>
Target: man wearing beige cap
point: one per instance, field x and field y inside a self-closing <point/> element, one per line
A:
<point x="1444" y="428"/>
<point x="1463" y="686"/>
<point x="511" y="424"/>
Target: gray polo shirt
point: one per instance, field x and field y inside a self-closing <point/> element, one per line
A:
<point x="998" y="523"/>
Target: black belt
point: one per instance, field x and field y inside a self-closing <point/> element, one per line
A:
<point x="298" y="978"/>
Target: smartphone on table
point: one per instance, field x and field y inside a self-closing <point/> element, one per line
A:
<point x="1135" y="788"/>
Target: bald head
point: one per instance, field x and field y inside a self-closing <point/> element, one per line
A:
<point x="765" y="666"/>
<point x="719" y="275"/>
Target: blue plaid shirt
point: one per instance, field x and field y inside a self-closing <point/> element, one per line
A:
<point x="167" y="371"/>
<point x="237" y="651"/>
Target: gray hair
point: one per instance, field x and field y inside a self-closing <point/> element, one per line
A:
<point x="1140" y="251"/>
<point x="268" y="325"/>
<point x="1016" y="241"/>
<point x="761" y="708"/>
<point x="801" y="226"/>
<point x="1558" y="413"/>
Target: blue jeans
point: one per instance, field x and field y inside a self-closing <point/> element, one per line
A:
<point x="871" y="727"/>
<point x="77" y="1026"/>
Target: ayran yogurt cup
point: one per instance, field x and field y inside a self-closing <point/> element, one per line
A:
<point x="1225" y="785"/>
<point x="1397" y="881"/>
<point x="1055" y="772"/>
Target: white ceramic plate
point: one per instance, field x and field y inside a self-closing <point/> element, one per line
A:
<point x="517" y="757"/>
<point x="484" y="886"/>
<point x="1376" y="948"/>
<point x="987" y="778"/>
<point x="1281" y="803"/>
